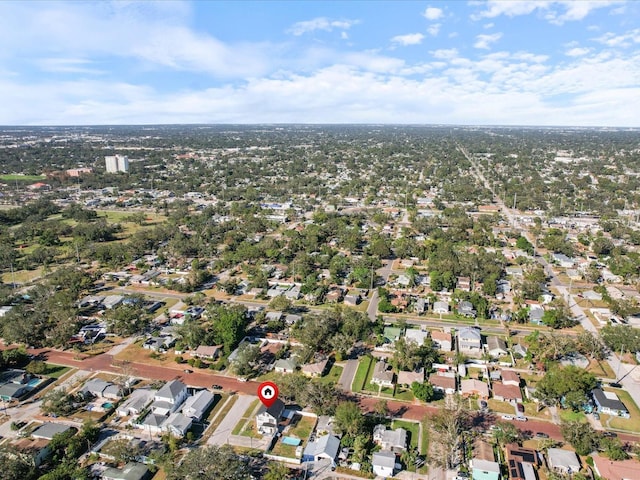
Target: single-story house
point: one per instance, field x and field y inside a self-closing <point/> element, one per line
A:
<point x="472" y="386"/>
<point x="509" y="377"/>
<point x="496" y="346"/>
<point x="209" y="352"/>
<point x="465" y="308"/>
<point x="520" y="350"/>
<point x="48" y="430"/>
<point x="131" y="471"/>
<point x="12" y="391"/>
<point x="352" y="299"/>
<point x="382" y="374"/>
<point x="521" y="462"/>
<point x="285" y="365"/>
<point x="326" y="447"/>
<point x="440" y="307"/>
<point x="136" y="403"/>
<point x="384" y="463"/>
<point x="442" y="340"/>
<point x="563" y="461"/>
<point x="407" y="378"/>
<point x="443" y="384"/>
<point x="506" y="393"/>
<point x="484" y="470"/>
<point x="609" y="403"/>
<point x="391" y="334"/>
<point x="37" y="450"/>
<point x="196" y="405"/>
<point x="394" y="440"/>
<point x="416" y="336"/>
<point x="316" y="369"/>
<point x="177" y="424"/>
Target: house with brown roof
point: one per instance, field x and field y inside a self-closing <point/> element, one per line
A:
<point x="509" y="377"/>
<point x="620" y="470"/>
<point x="442" y="340"/>
<point x="522" y="462"/>
<point x="407" y="378"/>
<point x="209" y="352"/>
<point x="472" y="386"/>
<point x="441" y="383"/>
<point x="506" y="393"/>
<point x="35" y="449"/>
<point x="316" y="369"/>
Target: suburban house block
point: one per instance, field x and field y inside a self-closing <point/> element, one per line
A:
<point x="442" y="340"/>
<point x="609" y="403"/>
<point x="563" y="461"/>
<point x="469" y="338"/>
<point x="394" y="440"/>
<point x="384" y="463"/>
<point x="169" y="397"/>
<point x="99" y="388"/>
<point x="382" y="374"/>
<point x="267" y="419"/>
<point x="440" y="307"/>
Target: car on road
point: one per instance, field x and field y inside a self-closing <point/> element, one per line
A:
<point x="609" y="434"/>
<point x="187" y="370"/>
<point x="216" y="387"/>
<point x="520" y="418"/>
<point x="541" y="435"/>
<point x="507" y="417"/>
<point x="615" y="385"/>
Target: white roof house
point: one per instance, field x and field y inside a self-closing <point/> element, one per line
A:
<point x="416" y="336"/>
<point x="326" y="446"/>
<point x="384" y="463"/>
<point x="177" y="424"/>
<point x="136" y="403"/>
<point x="563" y="461"/>
<point x="196" y="405"/>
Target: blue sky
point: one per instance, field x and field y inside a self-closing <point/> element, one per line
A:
<point x="459" y="62"/>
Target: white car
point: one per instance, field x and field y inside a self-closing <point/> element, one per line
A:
<point x="507" y="417"/>
<point x="521" y="419"/>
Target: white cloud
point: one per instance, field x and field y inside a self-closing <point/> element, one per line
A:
<point x="487" y="26"/>
<point x="554" y="11"/>
<point x="445" y="53"/>
<point x="320" y="23"/>
<point x="433" y="13"/>
<point x="577" y="52"/>
<point x="620" y="40"/>
<point x="434" y="29"/>
<point x="408" y="39"/>
<point x="68" y="65"/>
<point x="485" y="41"/>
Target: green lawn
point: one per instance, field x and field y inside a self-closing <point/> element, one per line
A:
<point x="571" y="416"/>
<point x="56" y="371"/>
<point x="12" y="177"/>
<point x="414" y="431"/>
<point x="361" y="374"/>
<point x="333" y="376"/>
<point x="631" y="424"/>
<point x="403" y="393"/>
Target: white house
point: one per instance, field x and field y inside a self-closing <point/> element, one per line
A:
<point x="267" y="419"/>
<point x="326" y="447"/>
<point x="441" y="307"/>
<point x="384" y="463"/>
<point x="563" y="461"/>
<point x="177" y="424"/>
<point x="394" y="440"/>
<point x="416" y="336"/>
<point x="136" y="403"/>
<point x="169" y="397"/>
<point x="196" y="405"/>
<point x="469" y="339"/>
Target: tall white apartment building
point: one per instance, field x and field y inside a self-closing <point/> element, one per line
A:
<point x="116" y="163"/>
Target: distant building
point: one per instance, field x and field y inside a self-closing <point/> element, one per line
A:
<point x="116" y="163"/>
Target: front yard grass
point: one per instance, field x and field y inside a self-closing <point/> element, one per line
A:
<point x="333" y="376"/>
<point x="571" y="416"/>
<point x="245" y="424"/>
<point x="361" y="374"/>
<point x="414" y="432"/>
<point x="403" y="393"/>
<point x="55" y="371"/>
<point x="631" y="424"/>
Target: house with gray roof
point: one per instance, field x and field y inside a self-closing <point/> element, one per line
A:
<point x="136" y="403"/>
<point x="469" y="338"/>
<point x="131" y="471"/>
<point x="394" y="440"/>
<point x="285" y="365"/>
<point x="196" y="405"/>
<point x="169" y="397"/>
<point x="324" y="447"/>
<point x="48" y="430"/>
<point x="563" y="461"/>
<point x="496" y="346"/>
<point x="267" y="419"/>
<point x="177" y="424"/>
<point x="382" y="374"/>
<point x="384" y="463"/>
<point x="12" y="391"/>
<point x="609" y="403"/>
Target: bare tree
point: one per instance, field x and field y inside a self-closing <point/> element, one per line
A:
<point x="448" y="425"/>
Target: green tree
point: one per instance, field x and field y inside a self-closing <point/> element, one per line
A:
<point x="559" y="382"/>
<point x="15" y="466"/>
<point x="210" y="463"/>
<point x="423" y="391"/>
<point x="505" y="433"/>
<point x="349" y="419"/>
<point x="276" y="471"/>
<point x="245" y="360"/>
<point x="581" y="436"/>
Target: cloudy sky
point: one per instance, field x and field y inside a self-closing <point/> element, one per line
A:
<point x="527" y="62"/>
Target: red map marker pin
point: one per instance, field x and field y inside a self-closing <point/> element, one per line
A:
<point x="268" y="393"/>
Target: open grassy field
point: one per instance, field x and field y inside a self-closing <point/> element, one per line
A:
<point x="13" y="177"/>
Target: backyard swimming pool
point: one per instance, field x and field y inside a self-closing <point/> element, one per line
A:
<point x="291" y="441"/>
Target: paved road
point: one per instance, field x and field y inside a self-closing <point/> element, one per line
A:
<point x="220" y="436"/>
<point x="384" y="272"/>
<point x="348" y="372"/>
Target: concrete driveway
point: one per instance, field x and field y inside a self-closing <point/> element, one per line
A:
<point x="222" y="433"/>
<point x="348" y="372"/>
